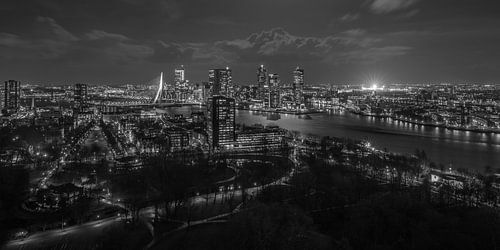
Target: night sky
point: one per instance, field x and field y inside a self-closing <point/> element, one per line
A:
<point x="349" y="41"/>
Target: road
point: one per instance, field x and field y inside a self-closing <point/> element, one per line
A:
<point x="92" y="230"/>
<point x="80" y="236"/>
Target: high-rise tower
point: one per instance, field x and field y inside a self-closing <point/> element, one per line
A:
<point x="11" y="95"/>
<point x="262" y="81"/>
<point x="298" y="84"/>
<point x="179" y="76"/>
<point x="80" y="95"/>
<point x="273" y="92"/>
<point x="221" y="82"/>
<point x="180" y="85"/>
<point x="221" y="122"/>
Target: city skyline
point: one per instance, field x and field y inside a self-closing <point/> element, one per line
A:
<point x="408" y="41"/>
<point x="249" y="124"/>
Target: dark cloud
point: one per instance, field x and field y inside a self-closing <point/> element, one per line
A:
<point x="274" y="45"/>
<point x="171" y="53"/>
<point x="278" y="45"/>
<point x="129" y="40"/>
<point x="10" y="40"/>
<point x="53" y="42"/>
<point x="48" y="28"/>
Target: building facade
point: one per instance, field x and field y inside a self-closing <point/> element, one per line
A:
<point x="298" y="84"/>
<point x="178" y="139"/>
<point x="80" y="95"/>
<point x="273" y="92"/>
<point x="260" y="139"/>
<point x="221" y="82"/>
<point x="262" y="82"/>
<point x="11" y="96"/>
<point x="221" y="122"/>
<point x="179" y="76"/>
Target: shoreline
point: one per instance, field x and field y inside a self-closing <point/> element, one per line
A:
<point x="282" y="111"/>
<point x="475" y="130"/>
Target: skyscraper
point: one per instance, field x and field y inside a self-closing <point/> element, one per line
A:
<point x="179" y="76"/>
<point x="80" y="95"/>
<point x="262" y="81"/>
<point x="298" y="84"/>
<point x="221" y="122"/>
<point x="221" y="82"/>
<point x="274" y="91"/>
<point x="180" y="85"/>
<point x="274" y="80"/>
<point x="12" y="94"/>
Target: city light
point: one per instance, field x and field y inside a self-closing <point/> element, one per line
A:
<point x="195" y="124"/>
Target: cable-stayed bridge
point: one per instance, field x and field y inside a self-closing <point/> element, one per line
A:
<point x="164" y="95"/>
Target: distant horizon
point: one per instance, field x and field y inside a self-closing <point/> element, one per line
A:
<point x="382" y="83"/>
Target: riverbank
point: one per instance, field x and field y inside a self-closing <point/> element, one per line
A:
<point x="288" y="112"/>
<point x="459" y="148"/>
<point x="395" y="118"/>
<point x="475" y="130"/>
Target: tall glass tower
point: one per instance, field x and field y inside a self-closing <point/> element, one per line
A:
<point x="262" y="81"/>
<point x="298" y="84"/>
<point x="221" y="122"/>
<point x="221" y="82"/>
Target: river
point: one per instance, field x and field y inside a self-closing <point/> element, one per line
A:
<point x="461" y="149"/>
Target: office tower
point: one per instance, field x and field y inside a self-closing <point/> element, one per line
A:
<point x="254" y="92"/>
<point x="179" y="77"/>
<point x="221" y="81"/>
<point x="274" y="99"/>
<point x="262" y="81"/>
<point x="221" y="122"/>
<point x="180" y="85"/>
<point x="298" y="84"/>
<point x="206" y="88"/>
<point x="80" y="95"/>
<point x="11" y="95"/>
<point x="274" y="91"/>
<point x="274" y="80"/>
<point x="197" y="92"/>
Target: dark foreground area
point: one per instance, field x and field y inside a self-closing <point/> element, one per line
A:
<point x="330" y="198"/>
<point x="337" y="208"/>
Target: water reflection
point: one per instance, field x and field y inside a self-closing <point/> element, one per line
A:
<point x="460" y="148"/>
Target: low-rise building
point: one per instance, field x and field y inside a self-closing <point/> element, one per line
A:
<point x="258" y="139"/>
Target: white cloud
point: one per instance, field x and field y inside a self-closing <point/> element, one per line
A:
<point x="386" y="6"/>
<point x="349" y="17"/>
<point x="100" y="34"/>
